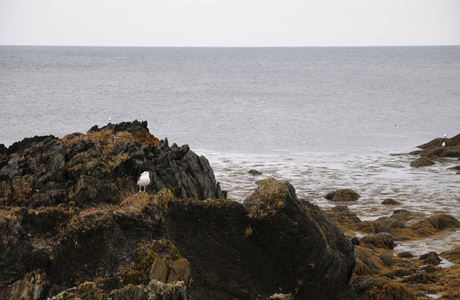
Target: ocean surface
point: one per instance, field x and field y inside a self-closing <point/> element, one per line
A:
<point x="322" y="118"/>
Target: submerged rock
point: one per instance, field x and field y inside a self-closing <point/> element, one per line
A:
<point x="344" y="195"/>
<point x="422" y="162"/>
<point x="254" y="172"/>
<point x="389" y="201"/>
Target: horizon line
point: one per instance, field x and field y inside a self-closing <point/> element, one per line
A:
<point x="144" y="46"/>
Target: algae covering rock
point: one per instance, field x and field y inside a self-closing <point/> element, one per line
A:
<point x="371" y="288"/>
<point x="100" y="167"/>
<point x="422" y="162"/>
<point x="382" y="240"/>
<point x="434" y="151"/>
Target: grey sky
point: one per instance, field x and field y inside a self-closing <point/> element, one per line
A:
<point x="230" y="22"/>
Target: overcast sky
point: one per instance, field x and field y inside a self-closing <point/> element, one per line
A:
<point x="230" y="22"/>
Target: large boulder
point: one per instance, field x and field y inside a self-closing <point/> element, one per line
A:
<point x="315" y="251"/>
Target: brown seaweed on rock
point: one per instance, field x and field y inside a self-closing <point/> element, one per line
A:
<point x="100" y="167"/>
<point x="434" y="150"/>
<point x="343" y="195"/>
<point x="380" y="273"/>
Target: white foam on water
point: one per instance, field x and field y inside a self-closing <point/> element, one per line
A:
<point x="376" y="176"/>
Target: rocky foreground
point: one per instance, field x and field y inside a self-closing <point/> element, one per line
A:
<point x="73" y="226"/>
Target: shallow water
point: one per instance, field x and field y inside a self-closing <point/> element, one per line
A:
<point x="424" y="191"/>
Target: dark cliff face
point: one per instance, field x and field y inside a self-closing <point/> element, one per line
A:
<point x="70" y="214"/>
<point x="219" y="248"/>
<point x="100" y="167"/>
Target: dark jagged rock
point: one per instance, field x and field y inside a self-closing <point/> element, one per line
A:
<point x="27" y="142"/>
<point x="100" y="167"/>
<point x="72" y="225"/>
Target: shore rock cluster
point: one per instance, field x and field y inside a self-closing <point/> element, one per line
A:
<point x="381" y="274"/>
<point x="435" y="150"/>
<point x="73" y="226"/>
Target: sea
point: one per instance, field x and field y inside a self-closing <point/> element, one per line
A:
<point x="323" y="118"/>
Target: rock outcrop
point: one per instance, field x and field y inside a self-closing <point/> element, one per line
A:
<point x="72" y="226"/>
<point x="100" y="167"/>
<point x="432" y="151"/>
<point x="318" y="254"/>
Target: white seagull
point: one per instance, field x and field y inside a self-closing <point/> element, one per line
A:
<point x="444" y="142"/>
<point x="143" y="181"/>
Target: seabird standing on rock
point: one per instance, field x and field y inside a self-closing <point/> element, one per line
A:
<point x="143" y="181"/>
<point x="444" y="141"/>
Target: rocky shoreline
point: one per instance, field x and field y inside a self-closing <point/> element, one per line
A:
<point x="73" y="226"/>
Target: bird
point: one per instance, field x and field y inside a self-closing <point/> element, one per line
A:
<point x="444" y="141"/>
<point x="144" y="180"/>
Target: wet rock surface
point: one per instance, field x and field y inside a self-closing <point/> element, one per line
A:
<point x="434" y="151"/>
<point x="383" y="273"/>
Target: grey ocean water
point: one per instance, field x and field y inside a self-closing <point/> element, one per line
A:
<point x="322" y="118"/>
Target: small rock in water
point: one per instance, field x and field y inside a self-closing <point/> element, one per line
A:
<point x="389" y="201"/>
<point x="343" y="195"/>
<point x="430" y="258"/>
<point x="422" y="162"/>
<point x="254" y="172"/>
